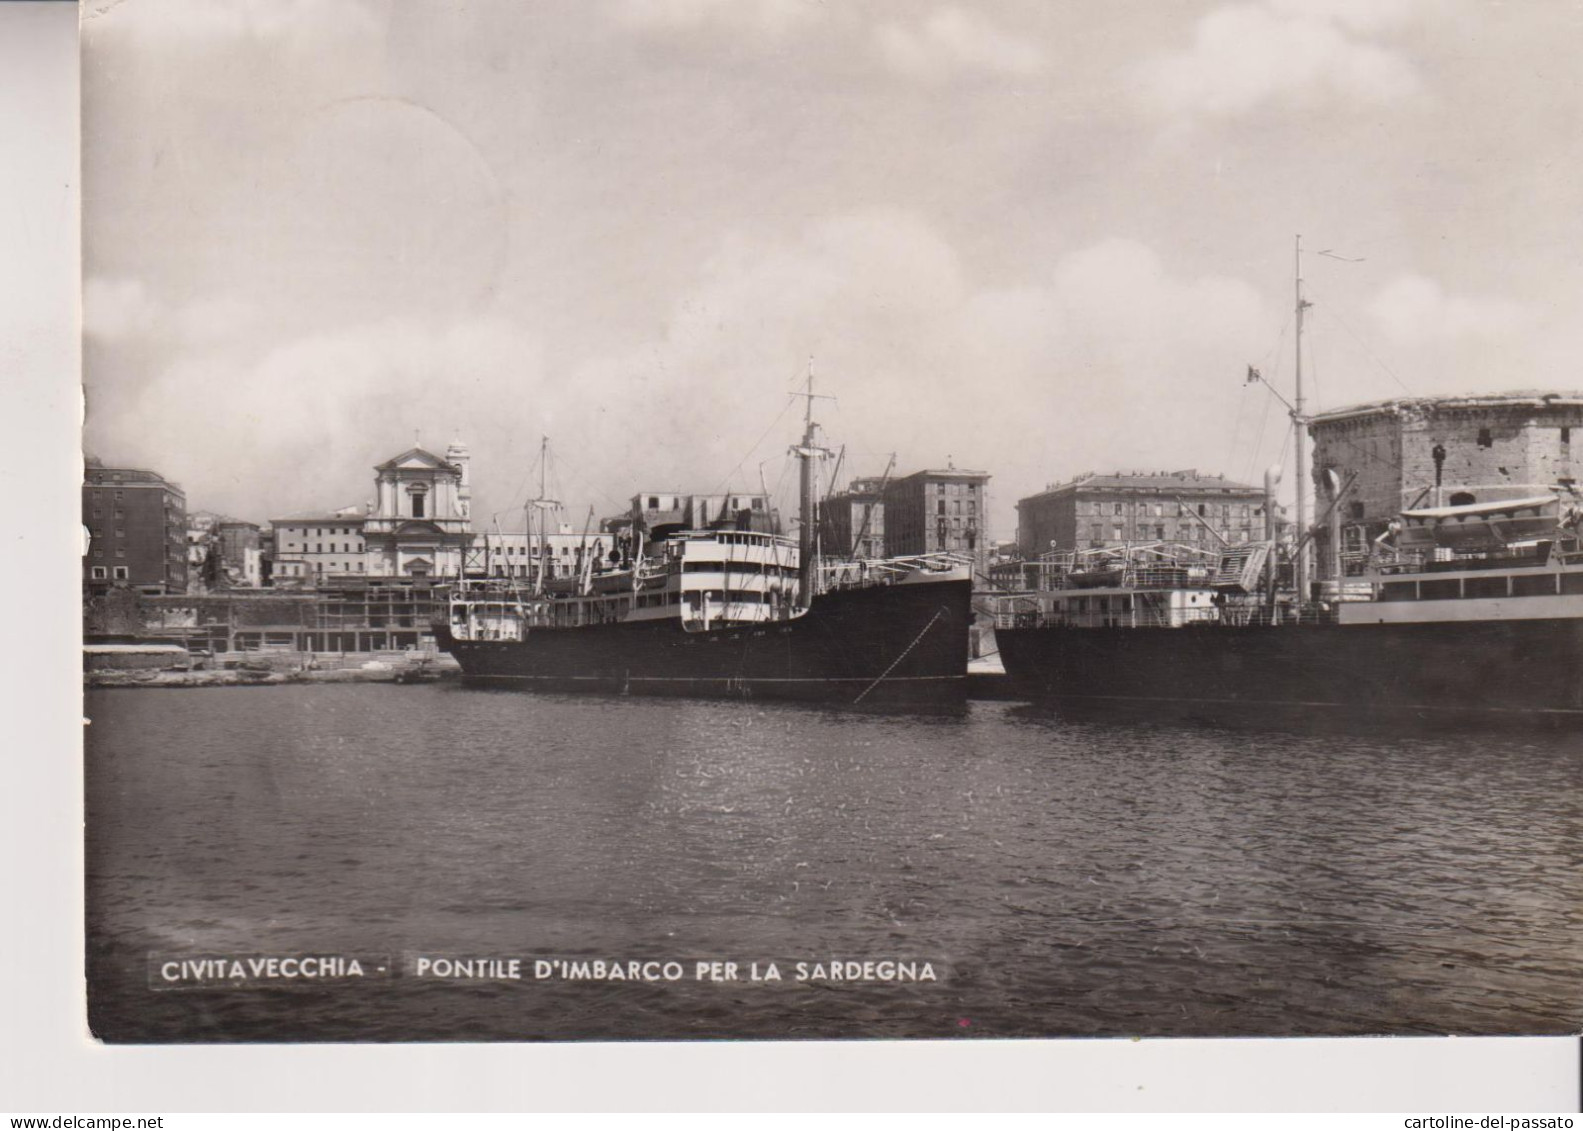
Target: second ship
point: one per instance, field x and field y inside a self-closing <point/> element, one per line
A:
<point x="728" y="612"/>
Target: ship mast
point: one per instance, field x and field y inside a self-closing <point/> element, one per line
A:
<point x="542" y="555"/>
<point x="808" y="451"/>
<point x="1300" y="424"/>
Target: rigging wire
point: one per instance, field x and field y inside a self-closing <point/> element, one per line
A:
<point x="1272" y="360"/>
<point x="520" y="492"/>
<point x="775" y="495"/>
<point x="1364" y="346"/>
<point x="583" y="485"/>
<point x="1263" y="436"/>
<point x="1286" y="443"/>
<point x="1313" y="369"/>
<point x="725" y="482"/>
<point x="1236" y="425"/>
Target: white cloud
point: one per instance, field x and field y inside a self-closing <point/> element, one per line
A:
<point x="283" y="429"/>
<point x="1356" y="15"/>
<point x="125" y="310"/>
<point x="770" y="18"/>
<point x="214" y="321"/>
<point x="1414" y="310"/>
<point x="1245" y="56"/>
<point x="1109" y="359"/>
<point x="952" y="41"/>
<point x="207" y="23"/>
<point x="118" y="309"/>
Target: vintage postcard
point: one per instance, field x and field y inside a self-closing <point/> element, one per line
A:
<point x="686" y="520"/>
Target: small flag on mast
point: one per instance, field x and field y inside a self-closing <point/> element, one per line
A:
<point x="1253" y="375"/>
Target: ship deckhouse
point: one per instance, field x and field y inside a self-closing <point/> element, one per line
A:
<point x="733" y="577"/>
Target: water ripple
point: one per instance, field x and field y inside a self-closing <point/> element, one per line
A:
<point x="1069" y="879"/>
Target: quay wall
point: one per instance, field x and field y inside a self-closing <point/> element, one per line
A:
<point x="249" y="668"/>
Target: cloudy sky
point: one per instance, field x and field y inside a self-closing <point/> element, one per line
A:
<point x="1037" y="237"/>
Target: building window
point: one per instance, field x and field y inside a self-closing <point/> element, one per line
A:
<point x="97" y="573"/>
<point x="1566" y="435"/>
<point x="1485" y="439"/>
<point x="1118" y="508"/>
<point x="121" y="573"/>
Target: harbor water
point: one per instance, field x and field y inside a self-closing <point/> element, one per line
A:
<point x="1051" y="878"/>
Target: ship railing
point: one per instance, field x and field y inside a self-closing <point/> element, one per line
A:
<point x="1025" y="612"/>
<point x="1279" y="615"/>
<point x="1015" y="610"/>
<point x="490" y="588"/>
<point x="882" y="571"/>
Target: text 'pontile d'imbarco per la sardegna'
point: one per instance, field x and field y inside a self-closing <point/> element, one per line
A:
<point x="242" y="971"/>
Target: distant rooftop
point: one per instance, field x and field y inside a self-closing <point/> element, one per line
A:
<point x="95" y="474"/>
<point x="350" y="515"/>
<point x="942" y="473"/>
<point x="1188" y="480"/>
<point x="1523" y="398"/>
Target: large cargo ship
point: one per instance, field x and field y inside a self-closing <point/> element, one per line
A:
<point x="1475" y="611"/>
<point x="728" y="612"/>
<point x="1470" y="611"/>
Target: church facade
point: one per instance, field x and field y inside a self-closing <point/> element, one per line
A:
<point x="420" y="525"/>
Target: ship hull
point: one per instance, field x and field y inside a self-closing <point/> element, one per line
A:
<point x="1497" y="670"/>
<point x="885" y="646"/>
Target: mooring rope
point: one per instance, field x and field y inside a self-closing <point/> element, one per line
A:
<point x="904" y="652"/>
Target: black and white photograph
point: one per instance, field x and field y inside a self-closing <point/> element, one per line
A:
<point x="787" y="520"/>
